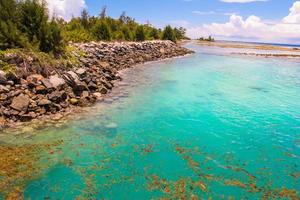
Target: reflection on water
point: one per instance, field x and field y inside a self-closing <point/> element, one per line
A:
<point x="199" y="127"/>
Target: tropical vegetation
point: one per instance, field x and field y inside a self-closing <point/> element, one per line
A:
<point x="26" y="24"/>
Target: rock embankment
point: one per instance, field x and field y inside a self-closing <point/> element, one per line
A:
<point x="34" y="91"/>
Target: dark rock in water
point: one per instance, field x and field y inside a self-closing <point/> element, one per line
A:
<point x="259" y="89"/>
<point x="26" y="117"/>
<point x="20" y="103"/>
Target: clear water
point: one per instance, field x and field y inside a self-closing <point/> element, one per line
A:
<point x="203" y="126"/>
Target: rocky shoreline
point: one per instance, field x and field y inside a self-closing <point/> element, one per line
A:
<point x="33" y="91"/>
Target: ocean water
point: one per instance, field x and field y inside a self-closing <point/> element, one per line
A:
<point x="205" y="126"/>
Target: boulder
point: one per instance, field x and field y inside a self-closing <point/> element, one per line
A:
<point x="92" y="86"/>
<point x="2" y="122"/>
<point x="3" y="79"/>
<point x="81" y="71"/>
<point x="34" y="78"/>
<point x="10" y="76"/>
<point x="74" y="75"/>
<point x="40" y="89"/>
<point x="3" y="97"/>
<point x="79" y="88"/>
<point x="56" y="81"/>
<point x="20" y="103"/>
<point x="85" y="94"/>
<point x="103" y="90"/>
<point x="46" y="82"/>
<point x="97" y="95"/>
<point x="73" y="101"/>
<point x="2" y="73"/>
<point x="26" y="117"/>
<point x="57" y="96"/>
<point x="44" y="102"/>
<point x="3" y="89"/>
<point x="104" y="64"/>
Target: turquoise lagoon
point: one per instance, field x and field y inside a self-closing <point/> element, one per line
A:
<point x="205" y="126"/>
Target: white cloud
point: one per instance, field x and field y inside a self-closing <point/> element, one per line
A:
<point x="241" y="1"/>
<point x="199" y="12"/>
<point x="294" y="16"/>
<point x="254" y="28"/>
<point x="65" y="8"/>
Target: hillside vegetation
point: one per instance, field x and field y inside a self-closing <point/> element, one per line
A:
<point x="26" y="24"/>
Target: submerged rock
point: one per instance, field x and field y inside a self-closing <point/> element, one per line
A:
<point x="111" y="125"/>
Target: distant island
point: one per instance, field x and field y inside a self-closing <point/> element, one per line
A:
<point x="209" y="39"/>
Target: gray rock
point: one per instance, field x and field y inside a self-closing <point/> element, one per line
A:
<point x="98" y="95"/>
<point x="3" y="89"/>
<point x="55" y="96"/>
<point x="3" y="79"/>
<point x="92" y="86"/>
<point x="46" y="82"/>
<point x="81" y="71"/>
<point x="79" y="88"/>
<point x="20" y="103"/>
<point x="74" y="75"/>
<point x="56" y="81"/>
<point x="85" y="94"/>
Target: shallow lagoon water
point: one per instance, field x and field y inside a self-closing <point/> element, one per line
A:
<point x="198" y="127"/>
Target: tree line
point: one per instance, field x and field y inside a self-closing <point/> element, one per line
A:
<point x="26" y="24"/>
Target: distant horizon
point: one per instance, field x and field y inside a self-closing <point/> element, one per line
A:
<point x="253" y="42"/>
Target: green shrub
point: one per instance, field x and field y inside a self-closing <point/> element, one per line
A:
<point x="168" y="34"/>
<point x="140" y="33"/>
<point x="101" y="31"/>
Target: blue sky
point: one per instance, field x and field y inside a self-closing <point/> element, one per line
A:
<point x="161" y="12"/>
<point x="249" y="20"/>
